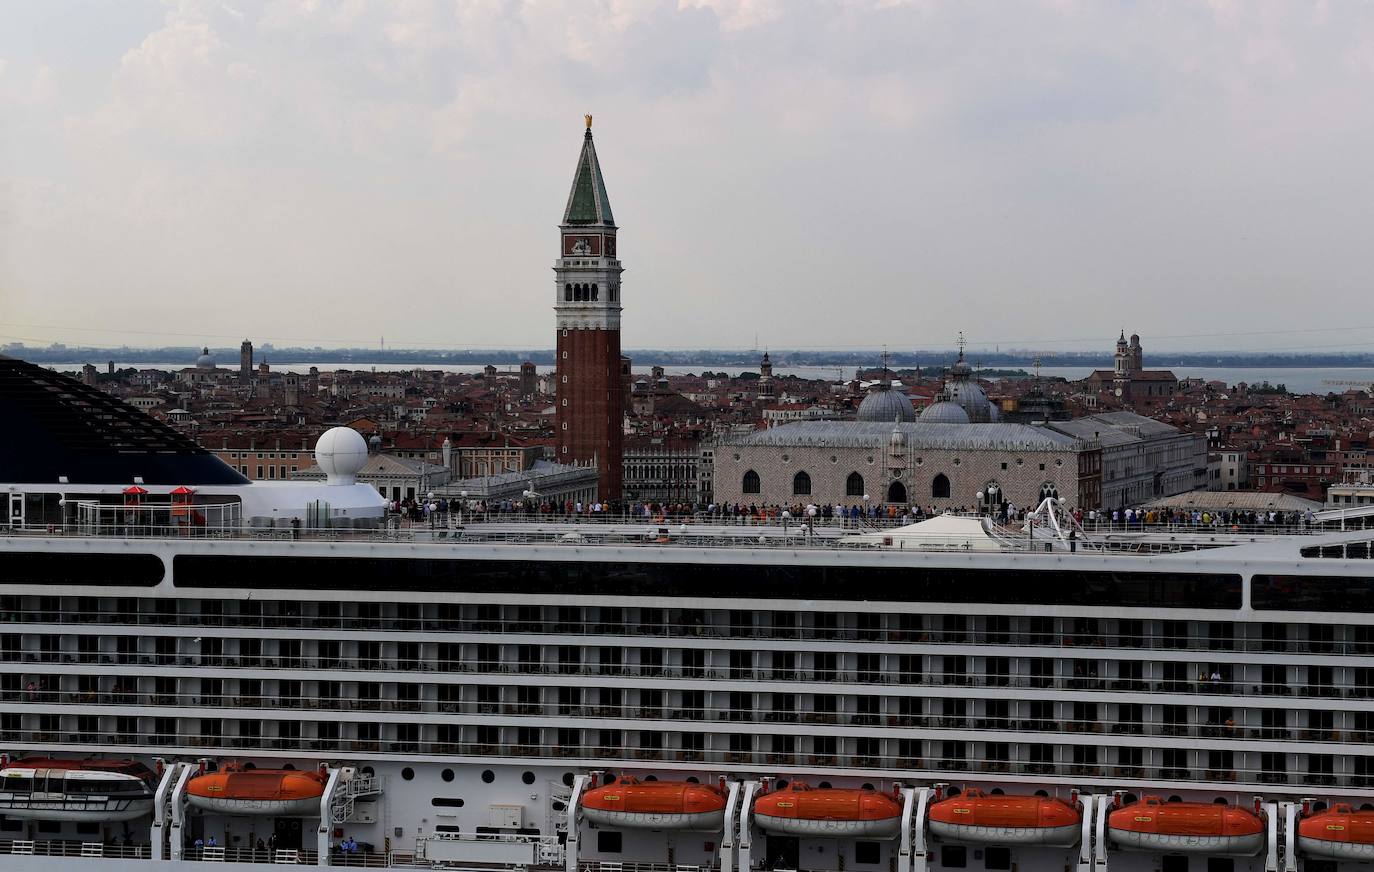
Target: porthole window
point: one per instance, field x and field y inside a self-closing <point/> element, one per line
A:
<point x="1059" y="463"/>
<point x="786" y="457"/>
<point x="408" y="774"/>
<point x="870" y="458"/>
<point x="447" y="775"/>
<point x="567" y="779"/>
<point x="1019" y="461"/>
<point x="737" y="458"/>
<point x="956" y="461"/>
<point x="527" y="777"/>
<point x="834" y="459"/>
<point x="488" y="776"/>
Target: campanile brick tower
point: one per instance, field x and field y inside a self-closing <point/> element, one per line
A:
<point x="590" y="401"/>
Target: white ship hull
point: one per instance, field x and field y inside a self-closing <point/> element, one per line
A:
<point x="1358" y="852"/>
<point x="1231" y="846"/>
<point x="56" y="810"/>
<point x="275" y="807"/>
<point x="704" y="822"/>
<point x="879" y="829"/>
<point x="1058" y="837"/>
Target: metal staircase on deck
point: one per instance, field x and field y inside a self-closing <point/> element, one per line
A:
<point x="349" y="792"/>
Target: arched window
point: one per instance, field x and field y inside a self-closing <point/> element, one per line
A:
<point x="939" y="488"/>
<point x="854" y="485"/>
<point x="896" y="493"/>
<point x="1048" y="490"/>
<point x="801" y="485"/>
<point x="596" y="294"/>
<point x="615" y="289"/>
<point x="751" y="483"/>
<point x="567" y="293"/>
<point x="992" y="496"/>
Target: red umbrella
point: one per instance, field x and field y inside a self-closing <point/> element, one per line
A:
<point x="135" y="490"/>
<point x="181" y="491"/>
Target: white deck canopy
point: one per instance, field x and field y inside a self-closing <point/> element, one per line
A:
<point x="950" y="532"/>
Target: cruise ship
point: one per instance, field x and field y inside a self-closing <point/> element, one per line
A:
<point x="204" y="672"/>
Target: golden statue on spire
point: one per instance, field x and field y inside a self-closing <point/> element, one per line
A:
<point x="589" y="121"/>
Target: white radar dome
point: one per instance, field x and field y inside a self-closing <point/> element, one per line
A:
<point x="341" y="453"/>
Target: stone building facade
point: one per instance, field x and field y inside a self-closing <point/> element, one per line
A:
<point x="1142" y="459"/>
<point x="946" y="466"/>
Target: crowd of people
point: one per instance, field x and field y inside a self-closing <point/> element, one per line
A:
<point x="443" y="511"/>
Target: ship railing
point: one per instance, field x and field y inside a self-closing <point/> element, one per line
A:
<point x="799" y="536"/>
<point x="1221" y="688"/>
<point x="272" y="856"/>
<point x="1068" y="636"/>
<point x="1210" y="766"/>
<point x="627" y="866"/>
<point x="75" y="850"/>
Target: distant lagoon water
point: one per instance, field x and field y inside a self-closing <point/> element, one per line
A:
<point x="1298" y="379"/>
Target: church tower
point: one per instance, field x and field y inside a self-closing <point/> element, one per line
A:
<point x="589" y="411"/>
<point x="1121" y="368"/>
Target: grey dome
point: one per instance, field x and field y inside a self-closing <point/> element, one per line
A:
<point x="944" y="412"/>
<point x="886" y="405"/>
<point x="205" y="361"/>
<point x="975" y="403"/>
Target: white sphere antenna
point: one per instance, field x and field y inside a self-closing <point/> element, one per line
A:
<point x="341" y="454"/>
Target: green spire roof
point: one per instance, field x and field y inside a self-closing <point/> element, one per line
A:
<point x="588" y="203"/>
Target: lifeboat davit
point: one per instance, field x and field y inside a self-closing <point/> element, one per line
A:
<point x="39" y="788"/>
<point x="976" y="819"/>
<point x="1186" y="827"/>
<point x="832" y="812"/>
<point x="279" y="792"/>
<point x="1339" y="833"/>
<point x="656" y="805"/>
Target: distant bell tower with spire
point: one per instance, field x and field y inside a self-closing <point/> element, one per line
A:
<point x="589" y="410"/>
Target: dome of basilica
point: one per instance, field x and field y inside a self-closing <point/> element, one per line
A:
<point x="886" y="405"/>
<point x="944" y="412"/>
<point x="206" y="360"/>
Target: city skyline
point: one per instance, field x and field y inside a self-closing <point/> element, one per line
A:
<point x="838" y="176"/>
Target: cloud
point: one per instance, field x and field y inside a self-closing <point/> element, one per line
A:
<point x="785" y="168"/>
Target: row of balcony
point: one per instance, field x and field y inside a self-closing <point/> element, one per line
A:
<point x="1363" y="645"/>
<point x="1221" y="687"/>
<point x="919" y="767"/>
<point x="1020" y="725"/>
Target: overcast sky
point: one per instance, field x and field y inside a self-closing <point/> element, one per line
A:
<point x="849" y="174"/>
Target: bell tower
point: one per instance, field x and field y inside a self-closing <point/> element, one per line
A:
<point x="589" y="410"/>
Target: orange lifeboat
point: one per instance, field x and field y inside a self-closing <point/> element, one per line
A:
<point x="656" y="805"/>
<point x="1186" y="827"/>
<point x="236" y="790"/>
<point x="976" y="818"/>
<point x="802" y="810"/>
<point x="1339" y="833"/>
